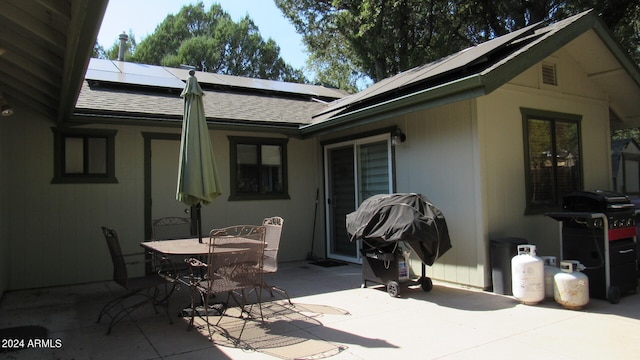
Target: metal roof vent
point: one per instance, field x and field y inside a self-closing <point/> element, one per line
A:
<point x="549" y="75"/>
<point x="123" y="45"/>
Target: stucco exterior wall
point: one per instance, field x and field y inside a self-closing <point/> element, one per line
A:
<point x="52" y="231"/>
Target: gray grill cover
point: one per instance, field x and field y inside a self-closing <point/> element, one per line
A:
<point x="384" y="219"/>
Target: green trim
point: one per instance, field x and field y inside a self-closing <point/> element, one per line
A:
<point x="357" y="136"/>
<point x="461" y="89"/>
<point x="289" y="129"/>
<point x="59" y="175"/>
<point x="148" y="138"/>
<point x="552" y="117"/>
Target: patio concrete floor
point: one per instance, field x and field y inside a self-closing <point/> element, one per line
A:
<point x="331" y="317"/>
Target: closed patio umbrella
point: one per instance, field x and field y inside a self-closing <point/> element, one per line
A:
<point x="197" y="175"/>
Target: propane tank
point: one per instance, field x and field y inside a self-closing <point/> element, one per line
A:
<point x="550" y="270"/>
<point x="527" y="271"/>
<point x="403" y="268"/>
<point x="571" y="286"/>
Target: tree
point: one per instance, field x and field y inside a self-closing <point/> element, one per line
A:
<point x="380" y="38"/>
<point x="626" y="134"/>
<point x="211" y="41"/>
<point x="98" y="51"/>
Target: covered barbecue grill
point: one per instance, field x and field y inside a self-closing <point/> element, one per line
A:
<point x="383" y="223"/>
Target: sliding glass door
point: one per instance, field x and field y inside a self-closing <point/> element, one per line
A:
<point x="354" y="171"/>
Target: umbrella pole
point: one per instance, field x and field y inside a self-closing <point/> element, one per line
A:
<point x="199" y="222"/>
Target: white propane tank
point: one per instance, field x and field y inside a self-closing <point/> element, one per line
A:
<point x="571" y="286"/>
<point x="527" y="271"/>
<point x="403" y="265"/>
<point x="550" y="270"/>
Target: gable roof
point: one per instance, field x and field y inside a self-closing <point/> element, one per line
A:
<point x="44" y="50"/>
<point x="482" y="69"/>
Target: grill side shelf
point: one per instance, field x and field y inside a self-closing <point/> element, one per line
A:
<point x="567" y="215"/>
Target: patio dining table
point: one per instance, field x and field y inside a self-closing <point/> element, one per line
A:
<point x="193" y="248"/>
<point x="225" y="250"/>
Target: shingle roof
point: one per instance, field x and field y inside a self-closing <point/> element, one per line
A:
<point x="116" y="89"/>
<point x="483" y="68"/>
<point x="219" y="106"/>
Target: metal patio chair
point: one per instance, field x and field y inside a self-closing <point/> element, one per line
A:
<point x="273" y="232"/>
<point x="234" y="264"/>
<point x="170" y="228"/>
<point x="152" y="289"/>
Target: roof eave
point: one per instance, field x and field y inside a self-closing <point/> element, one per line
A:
<point x="104" y="117"/>
<point x="502" y="73"/>
<point x="87" y="17"/>
<point x="461" y="89"/>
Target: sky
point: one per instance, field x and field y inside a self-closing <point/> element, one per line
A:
<point x="141" y="17"/>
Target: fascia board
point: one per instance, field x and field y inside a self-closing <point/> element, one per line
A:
<point x="465" y="88"/>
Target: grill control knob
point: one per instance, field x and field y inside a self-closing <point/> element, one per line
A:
<point x="598" y="223"/>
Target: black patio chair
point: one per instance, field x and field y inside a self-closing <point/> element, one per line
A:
<point x="153" y="289"/>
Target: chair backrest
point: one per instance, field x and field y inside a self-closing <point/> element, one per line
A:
<point x="171" y="227"/>
<point x="273" y="231"/>
<point x="119" y="265"/>
<point x="235" y="257"/>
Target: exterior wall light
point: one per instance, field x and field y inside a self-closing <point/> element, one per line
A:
<point x="5" y="107"/>
<point x="7" y="110"/>
<point x="398" y="137"/>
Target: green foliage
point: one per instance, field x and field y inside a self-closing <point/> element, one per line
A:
<point x="351" y="39"/>
<point x="211" y="41"/>
<point x="626" y="134"/>
<point x="98" y="51"/>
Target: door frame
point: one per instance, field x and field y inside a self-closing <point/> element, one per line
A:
<point x="148" y="138"/>
<point x="382" y="134"/>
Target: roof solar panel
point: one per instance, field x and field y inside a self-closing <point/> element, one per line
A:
<point x="152" y="75"/>
<point x="134" y="79"/>
<point x="132" y="74"/>
<point x="143" y="69"/>
<point x="453" y="62"/>
<point x="259" y="84"/>
<point x="102" y="64"/>
<point x="203" y="77"/>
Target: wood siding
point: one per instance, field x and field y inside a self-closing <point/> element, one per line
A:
<point x="52" y="231"/>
